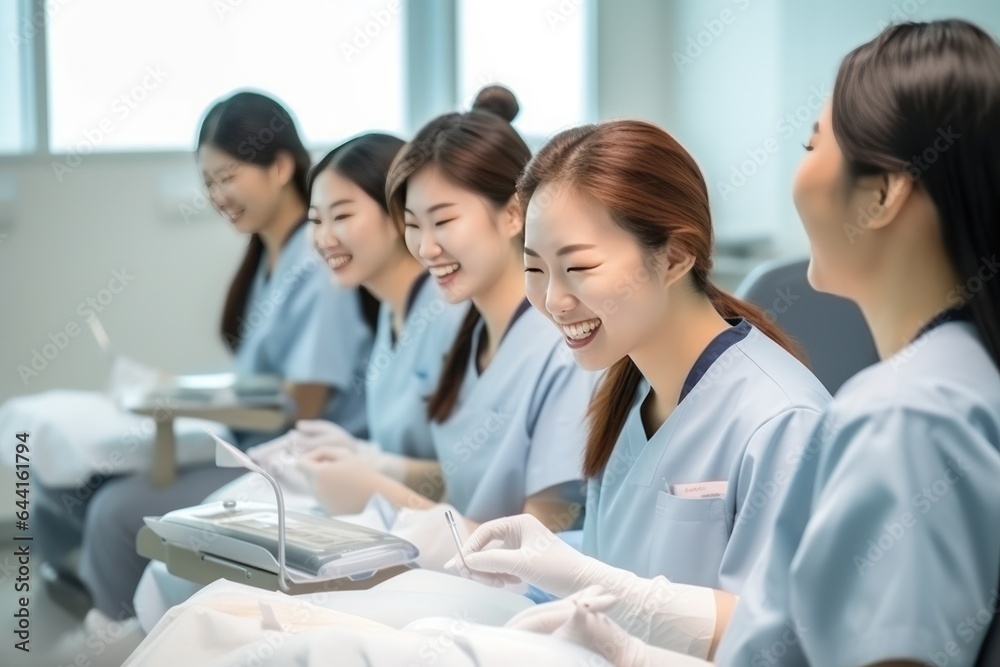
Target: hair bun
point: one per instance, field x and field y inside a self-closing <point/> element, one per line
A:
<point x="498" y="100"/>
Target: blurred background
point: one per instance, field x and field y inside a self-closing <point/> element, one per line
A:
<point x="100" y="101"/>
<point x="102" y="207"/>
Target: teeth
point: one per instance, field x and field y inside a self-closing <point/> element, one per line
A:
<point x="441" y="271"/>
<point x="336" y="262"/>
<point x="580" y="330"/>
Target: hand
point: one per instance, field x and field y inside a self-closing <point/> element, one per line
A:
<point x="342" y="481"/>
<point x="581" y="619"/>
<point x="313" y="433"/>
<point x="673" y="616"/>
<point x="520" y="548"/>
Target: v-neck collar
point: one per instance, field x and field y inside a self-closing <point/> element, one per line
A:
<point x="411" y="298"/>
<point x="957" y="314"/>
<point x="635" y="430"/>
<point x="480" y="337"/>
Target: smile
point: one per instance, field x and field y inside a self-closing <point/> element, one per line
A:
<point x="442" y="271"/>
<point x="580" y="330"/>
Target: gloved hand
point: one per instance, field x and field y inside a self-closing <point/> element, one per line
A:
<point x="580" y="619"/>
<point x="316" y="432"/>
<point x="343" y="482"/>
<point x="673" y="616"/>
<point x="279" y="457"/>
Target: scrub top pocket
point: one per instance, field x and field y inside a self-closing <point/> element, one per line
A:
<point x="682" y="523"/>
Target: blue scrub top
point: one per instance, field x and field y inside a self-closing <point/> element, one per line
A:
<point x="695" y="502"/>
<point x="520" y="427"/>
<point x="299" y="325"/>
<point x="887" y="545"/>
<point x="403" y="373"/>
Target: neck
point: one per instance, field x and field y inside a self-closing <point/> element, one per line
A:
<point x="669" y="351"/>
<point x="392" y="284"/>
<point x="290" y="211"/>
<point x="906" y="295"/>
<point x="497" y="305"/>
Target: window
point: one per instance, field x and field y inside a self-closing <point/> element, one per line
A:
<point x="17" y="40"/>
<point x="129" y="76"/>
<point x="540" y="50"/>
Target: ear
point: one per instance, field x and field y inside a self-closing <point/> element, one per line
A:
<point x="284" y="167"/>
<point x="674" y="264"/>
<point x="510" y="221"/>
<point x="885" y="195"/>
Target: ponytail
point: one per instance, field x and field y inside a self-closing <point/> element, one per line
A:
<point x="443" y="400"/>
<point x="731" y="307"/>
<point x="612" y="402"/>
<point x="608" y="411"/>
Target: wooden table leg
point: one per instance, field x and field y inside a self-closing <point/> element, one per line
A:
<point x="164" y="469"/>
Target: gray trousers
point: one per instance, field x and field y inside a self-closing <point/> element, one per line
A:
<point x="104" y="517"/>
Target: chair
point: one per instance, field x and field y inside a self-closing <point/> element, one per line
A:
<point x="830" y="329"/>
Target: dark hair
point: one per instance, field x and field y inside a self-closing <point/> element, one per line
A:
<point x="653" y="189"/>
<point x="895" y="99"/>
<point x="254" y="129"/>
<point x="481" y="152"/>
<point x="365" y="160"/>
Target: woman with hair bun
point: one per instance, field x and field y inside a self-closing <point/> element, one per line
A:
<point x="507" y="415"/>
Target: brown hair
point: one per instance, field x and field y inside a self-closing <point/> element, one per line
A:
<point x="479" y="151"/>
<point x="653" y="189"/>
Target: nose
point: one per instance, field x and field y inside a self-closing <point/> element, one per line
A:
<point x="428" y="248"/>
<point x="218" y="197"/>
<point x="558" y="298"/>
<point x="324" y="238"/>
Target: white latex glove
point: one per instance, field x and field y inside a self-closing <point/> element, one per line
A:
<point x="580" y="619"/>
<point x="279" y="457"/>
<point x="672" y="616"/>
<point x="343" y="482"/>
<point x="316" y="432"/>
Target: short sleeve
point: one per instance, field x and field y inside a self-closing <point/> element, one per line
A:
<point x="762" y="477"/>
<point x="332" y="341"/>
<point x="900" y="556"/>
<point x="558" y="426"/>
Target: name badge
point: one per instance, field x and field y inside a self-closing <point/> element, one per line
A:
<point x="715" y="489"/>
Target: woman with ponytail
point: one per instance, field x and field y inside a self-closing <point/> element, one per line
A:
<point x="694" y="427"/>
<point x="506" y="416"/>
<point x="884" y="549"/>
<point x="282" y="317"/>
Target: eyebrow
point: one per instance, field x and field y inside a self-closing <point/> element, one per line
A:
<point x="565" y="250"/>
<point x="432" y="208"/>
<point x="339" y="202"/>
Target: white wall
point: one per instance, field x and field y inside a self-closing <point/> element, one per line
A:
<point x="61" y="241"/>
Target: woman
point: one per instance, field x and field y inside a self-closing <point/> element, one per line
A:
<point x="281" y="317"/>
<point x="506" y="413"/>
<point x="883" y="550"/>
<point x="416" y="325"/>
<point x="703" y="403"/>
<point x="356" y="238"/>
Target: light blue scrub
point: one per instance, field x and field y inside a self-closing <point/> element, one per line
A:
<point x="887" y="545"/>
<point x="745" y="407"/>
<point x="520" y="427"/>
<point x="403" y="373"/>
<point x="301" y="326"/>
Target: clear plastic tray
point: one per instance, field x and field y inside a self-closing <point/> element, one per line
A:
<point x="320" y="547"/>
